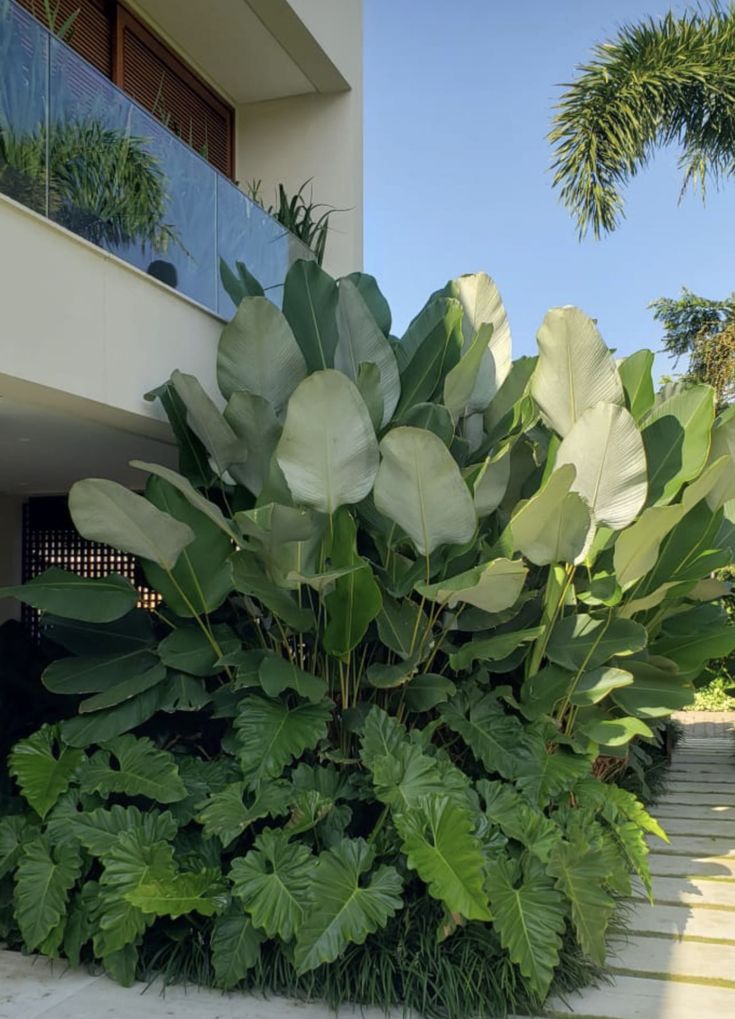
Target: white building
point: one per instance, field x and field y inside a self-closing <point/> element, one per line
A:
<point x="222" y="93"/>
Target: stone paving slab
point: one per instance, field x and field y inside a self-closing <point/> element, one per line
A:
<point x="682" y="921"/>
<point x="697" y="892"/>
<point x="644" y="998"/>
<point x="656" y="956"/>
<point x="693" y="811"/>
<point x="693" y="845"/>
<point x="691" y="866"/>
<point x="689" y="826"/>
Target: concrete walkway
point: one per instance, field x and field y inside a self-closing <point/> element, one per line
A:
<point x="678" y="962"/>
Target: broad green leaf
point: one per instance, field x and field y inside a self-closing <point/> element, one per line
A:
<point x="434" y="418"/>
<point x="635" y="374"/>
<point x="542" y="691"/>
<point x="371" y="294"/>
<point x="543" y="774"/>
<point x="402" y="779"/>
<point x="693" y="638"/>
<point x="368" y="384"/>
<point x="99" y="600"/>
<point x="430" y="348"/>
<point x="606" y="448"/>
<point x="482" y="305"/>
<point x="117" y="922"/>
<point x="310" y="305"/>
<point x="192" y="651"/>
<point x="121" y="966"/>
<point x="178" y="894"/>
<point x="140" y="769"/>
<point x="16" y="831"/>
<point x="596" y="684"/>
<point x="101" y="726"/>
<point x="511" y="405"/>
<point x="277" y="674"/>
<point x="356" y="599"/>
<point x="470" y="385"/>
<point x="43" y="768"/>
<point x="206" y="421"/>
<point x="345" y="905"/>
<point x="275" y="882"/>
<point x="613" y="732"/>
<point x="93" y="675"/>
<point x="270" y="734"/>
<point x="235" y="945"/>
<point x="113" y="515"/>
<point x="329" y="458"/>
<point x="492" y="587"/>
<point x="180" y="692"/>
<point x="382" y="736"/>
<point x="201" y="580"/>
<point x="254" y="421"/>
<point x="133" y="860"/>
<point x="42" y="883"/>
<point x="440" y="846"/>
<point x="529" y="916"/>
<point x="493" y="736"/>
<point x="419" y="486"/>
<point x="575" y="370"/>
<point x="401" y="626"/>
<point x="239" y="284"/>
<point x="637" y="547"/>
<point x="426" y="691"/>
<point x="723" y="445"/>
<point x="490" y="483"/>
<point x="654" y="693"/>
<point x="193" y="458"/>
<point x="125" y="691"/>
<point x="554" y="525"/>
<point x="361" y="341"/>
<point x="387" y="677"/>
<point x="197" y="500"/>
<point x="226" y="814"/>
<point x="583" y="642"/>
<point x="518" y="819"/>
<point x="98" y="830"/>
<point x="322" y="583"/>
<point x="258" y="354"/>
<point x="580" y="873"/>
<point x="249" y="578"/>
<point x="676" y="436"/>
<point x="491" y="649"/>
<point x="133" y="632"/>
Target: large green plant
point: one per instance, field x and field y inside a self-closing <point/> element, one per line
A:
<point x="416" y="602"/>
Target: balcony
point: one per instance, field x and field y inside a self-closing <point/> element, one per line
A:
<point x="82" y="153"/>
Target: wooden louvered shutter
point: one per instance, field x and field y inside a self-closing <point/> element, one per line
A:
<point x="92" y="31"/>
<point x="156" y="78"/>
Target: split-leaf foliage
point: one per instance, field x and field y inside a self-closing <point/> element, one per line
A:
<point x="417" y="602"/>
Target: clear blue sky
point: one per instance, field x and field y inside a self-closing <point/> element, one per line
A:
<point x="458" y="100"/>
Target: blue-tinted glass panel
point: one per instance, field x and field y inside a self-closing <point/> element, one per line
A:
<point x="23" y="98"/>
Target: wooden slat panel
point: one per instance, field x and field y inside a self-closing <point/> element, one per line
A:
<point x="91" y="33"/>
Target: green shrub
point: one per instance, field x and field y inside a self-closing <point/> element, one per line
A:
<point x="416" y="603"/>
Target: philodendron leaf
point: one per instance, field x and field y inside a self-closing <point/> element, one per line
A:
<point x="92" y="600"/>
<point x="43" y="767"/>
<point x="419" y="486"/>
<point x="494" y="586"/>
<point x="580" y="873"/>
<point x="275" y="883"/>
<point x="329" y="458"/>
<point x="206" y="421"/>
<point x="16" y="831"/>
<point x="584" y="642"/>
<point x="109" y="513"/>
<point x="676" y="436"/>
<point x="361" y="341"/>
<point x="258" y="353"/>
<point x="98" y="830"/>
<point x="529" y="916"/>
<point x="227" y="815"/>
<point x="178" y="894"/>
<point x="345" y="905"/>
<point x="270" y="734"/>
<point x="235" y="945"/>
<point x="43" y="880"/>
<point x="493" y="736"/>
<point x="575" y="370"/>
<point x="554" y="525"/>
<point x="253" y="420"/>
<point x="438" y="840"/>
<point x="606" y="448"/>
<point x="310" y="305"/>
<point x="635" y="374"/>
<point x="140" y="770"/>
<point x="277" y="674"/>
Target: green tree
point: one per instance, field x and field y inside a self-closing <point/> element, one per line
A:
<point x="659" y="82"/>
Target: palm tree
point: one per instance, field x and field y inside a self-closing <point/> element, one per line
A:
<point x="659" y="82"/>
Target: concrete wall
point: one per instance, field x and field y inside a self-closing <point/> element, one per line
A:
<point x="11" y="520"/>
<point x="87" y="334"/>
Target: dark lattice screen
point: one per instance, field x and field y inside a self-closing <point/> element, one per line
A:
<point x="50" y="539"/>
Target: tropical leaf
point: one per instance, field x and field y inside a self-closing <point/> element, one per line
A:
<point x="529" y="916"/>
<point x="99" y="600"/>
<point x="438" y="840"/>
<point x="544" y="774"/>
<point x="178" y="894"/>
<point x="492" y="649"/>
<point x="278" y="674"/>
<point x="585" y="642"/>
<point x="42" y="882"/>
<point x="361" y="341"/>
<point x="382" y="736"/>
<point x="208" y="424"/>
<point x="16" y="831"/>
<point x="575" y="370"/>
<point x="580" y="873"/>
<point x="191" y="650"/>
<point x="356" y="599"/>
<point x="329" y="459"/>
<point x="239" y="284"/>
<point x="430" y="348"/>
<point x="607" y="450"/>
<point x="98" y="829"/>
<point x="595" y="685"/>
<point x="109" y="513"/>
<point x="101" y="726"/>
<point x="235" y="945"/>
<point x="518" y="819"/>
<point x="493" y="736"/>
<point x="139" y="770"/>
<point x="676" y="437"/>
<point x="275" y="882"/>
<point x="270" y="734"/>
<point x="310" y="305"/>
<point x="345" y="907"/>
<point x="471" y="384"/>
<point x="133" y="860"/>
<point x="613" y="731"/>
<point x="125" y="691"/>
<point x="635" y="374"/>
<point x="427" y="690"/>
<point x="226" y="814"/>
<point x="43" y="767"/>
<point x="254" y="421"/>
<point x="492" y="587"/>
<point x="258" y="353"/>
<point x="205" y="507"/>
<point x="490" y="483"/>
<point x="554" y="525"/>
<point x="402" y="780"/>
<point x="367" y="287"/>
<point x="419" y="486"/>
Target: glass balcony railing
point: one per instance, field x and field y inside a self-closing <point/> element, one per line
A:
<point x="78" y="150"/>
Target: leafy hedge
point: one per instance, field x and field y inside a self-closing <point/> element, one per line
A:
<point x="416" y="602"/>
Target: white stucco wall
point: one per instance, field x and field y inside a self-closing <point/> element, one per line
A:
<point x="85" y="333"/>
